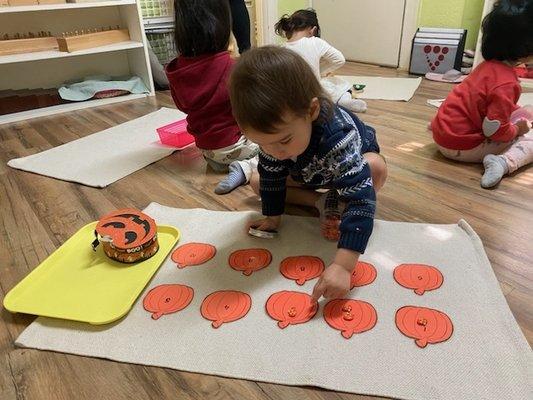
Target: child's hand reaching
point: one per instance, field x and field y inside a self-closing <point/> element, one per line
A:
<point x="334" y="282"/>
<point x="267" y="224"/>
<point x="523" y="126"/>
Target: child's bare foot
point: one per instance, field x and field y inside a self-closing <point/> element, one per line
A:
<point x="330" y="215"/>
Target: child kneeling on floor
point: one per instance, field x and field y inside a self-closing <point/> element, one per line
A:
<point x="307" y="143"/>
<point x="476" y="122"/>
<point x="198" y="83"/>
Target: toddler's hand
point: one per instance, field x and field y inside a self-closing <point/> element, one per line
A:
<point x="523" y="126"/>
<point x="334" y="283"/>
<point x="266" y="224"/>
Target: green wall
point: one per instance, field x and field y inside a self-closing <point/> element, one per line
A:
<point x="452" y="14"/>
<point x="289" y="6"/>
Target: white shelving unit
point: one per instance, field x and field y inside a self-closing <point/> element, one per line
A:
<point x="48" y="69"/>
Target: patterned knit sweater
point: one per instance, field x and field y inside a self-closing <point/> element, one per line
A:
<point x="333" y="159"/>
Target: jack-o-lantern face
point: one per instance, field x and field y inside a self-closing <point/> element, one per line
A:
<point x="126" y="228"/>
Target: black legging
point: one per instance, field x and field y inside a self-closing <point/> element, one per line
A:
<point x="241" y="24"/>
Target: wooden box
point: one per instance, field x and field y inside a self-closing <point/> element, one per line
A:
<point x="19" y="46"/>
<point x="90" y="40"/>
<point x="22" y="2"/>
<point x="52" y="1"/>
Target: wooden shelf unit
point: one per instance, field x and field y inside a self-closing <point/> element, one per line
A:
<point x="48" y="69"/>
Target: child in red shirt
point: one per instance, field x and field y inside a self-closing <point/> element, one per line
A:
<point x="198" y="82"/>
<point x="476" y="121"/>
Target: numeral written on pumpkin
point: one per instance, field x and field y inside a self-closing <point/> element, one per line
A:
<point x="225" y="306"/>
<point x="425" y="325"/>
<point x="249" y="260"/>
<point x="419" y="277"/>
<point x="301" y="268"/>
<point x="167" y="299"/>
<point x="291" y="308"/>
<point x="193" y="254"/>
<point x="350" y="316"/>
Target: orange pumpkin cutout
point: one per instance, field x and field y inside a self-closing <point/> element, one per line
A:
<point x="225" y="306"/>
<point x="167" y="299"/>
<point x="350" y="316"/>
<point x="425" y="325"/>
<point x="419" y="277"/>
<point x="249" y="260"/>
<point x="291" y="308"/>
<point x="363" y="274"/>
<point x="302" y="268"/>
<point x="193" y="254"/>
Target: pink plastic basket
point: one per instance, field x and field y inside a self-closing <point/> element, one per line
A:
<point x="175" y="135"/>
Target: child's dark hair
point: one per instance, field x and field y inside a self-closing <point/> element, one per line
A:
<point x="202" y="26"/>
<point x="299" y="20"/>
<point x="508" y="31"/>
<point x="269" y="81"/>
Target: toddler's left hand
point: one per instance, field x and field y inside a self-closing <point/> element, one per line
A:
<point x="334" y="283"/>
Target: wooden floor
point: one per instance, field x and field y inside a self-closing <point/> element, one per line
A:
<point x="39" y="213"/>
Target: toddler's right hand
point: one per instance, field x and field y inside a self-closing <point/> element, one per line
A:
<point x="523" y="126"/>
<point x="266" y="224"/>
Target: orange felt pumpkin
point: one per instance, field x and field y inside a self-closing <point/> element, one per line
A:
<point x="225" y="306"/>
<point x="301" y="268"/>
<point x="350" y="316"/>
<point x="193" y="254"/>
<point x="167" y="299"/>
<point x="419" y="277"/>
<point x="249" y="260"/>
<point x="363" y="274"/>
<point x="425" y="325"/>
<point x="291" y="308"/>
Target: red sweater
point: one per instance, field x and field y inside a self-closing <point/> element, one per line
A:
<point x="199" y="88"/>
<point x="479" y="108"/>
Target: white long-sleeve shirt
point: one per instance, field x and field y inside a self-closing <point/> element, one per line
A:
<point x="322" y="58"/>
<point x="319" y="54"/>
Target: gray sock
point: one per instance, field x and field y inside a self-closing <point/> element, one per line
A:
<point x="495" y="169"/>
<point x="234" y="179"/>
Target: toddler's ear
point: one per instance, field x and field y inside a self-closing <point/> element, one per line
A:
<point x="314" y="109"/>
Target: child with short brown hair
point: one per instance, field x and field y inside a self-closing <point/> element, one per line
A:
<point x="308" y="143"/>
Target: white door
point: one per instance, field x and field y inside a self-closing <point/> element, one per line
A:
<point x="250" y="5"/>
<point x="364" y="30"/>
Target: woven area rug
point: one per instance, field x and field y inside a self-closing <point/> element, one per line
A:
<point x="486" y="356"/>
<point x="105" y="157"/>
<point x="380" y="88"/>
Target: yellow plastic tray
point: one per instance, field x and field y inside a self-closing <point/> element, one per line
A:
<point x="76" y="283"/>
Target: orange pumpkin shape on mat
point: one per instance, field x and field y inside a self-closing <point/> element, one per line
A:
<point x="249" y="260"/>
<point x="167" y="299"/>
<point x="301" y="268"/>
<point x="350" y="316"/>
<point x="363" y="274"/>
<point x="425" y="325"/>
<point x="193" y="254"/>
<point x="225" y="306"/>
<point x="419" y="277"/>
<point x="291" y="308"/>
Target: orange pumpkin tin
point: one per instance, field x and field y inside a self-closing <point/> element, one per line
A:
<point x="127" y="235"/>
